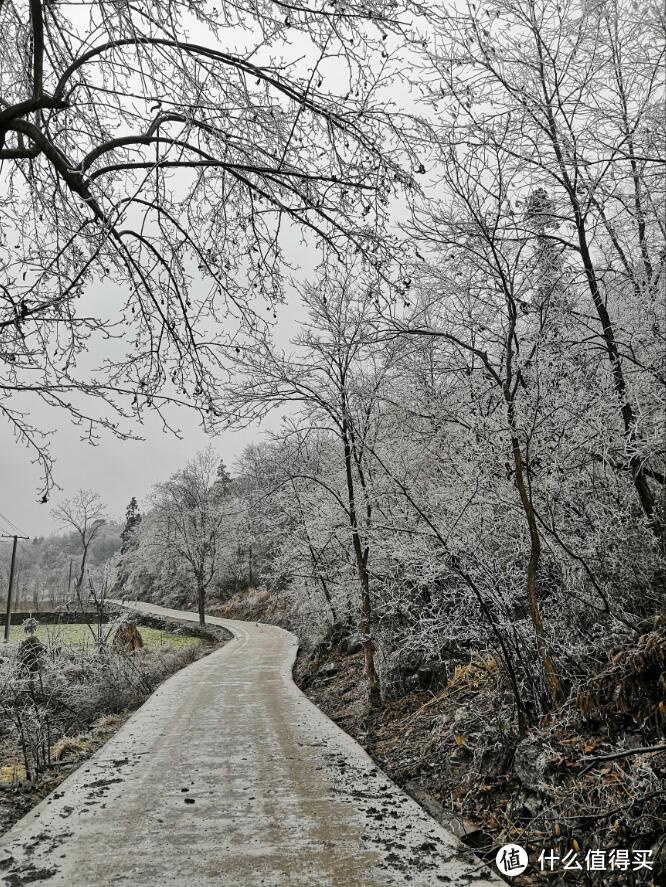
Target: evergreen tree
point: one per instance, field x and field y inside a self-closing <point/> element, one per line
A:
<point x="132" y="521"/>
<point x="130" y="540"/>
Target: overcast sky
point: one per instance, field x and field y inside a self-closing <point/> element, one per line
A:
<point x="116" y="469"/>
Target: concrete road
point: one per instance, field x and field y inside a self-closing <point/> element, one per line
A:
<point x="228" y="775"/>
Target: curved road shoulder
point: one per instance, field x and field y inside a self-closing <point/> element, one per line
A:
<point x="229" y="775"/>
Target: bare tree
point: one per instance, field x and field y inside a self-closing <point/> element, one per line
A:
<point x="189" y="517"/>
<point x="335" y="375"/>
<point x="567" y="95"/>
<point x="139" y="151"/>
<point x="83" y="513"/>
<point x="542" y="225"/>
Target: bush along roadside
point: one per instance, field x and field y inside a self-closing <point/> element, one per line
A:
<point x="59" y="703"/>
<point x="589" y="778"/>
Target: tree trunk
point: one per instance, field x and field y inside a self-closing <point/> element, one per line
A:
<point x="374" y="689"/>
<point x="79" y="581"/>
<point x="552" y="679"/>
<point x="645" y="495"/>
<point x="201" y="602"/>
<point x="329" y="600"/>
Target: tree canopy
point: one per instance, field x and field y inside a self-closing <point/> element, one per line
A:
<point x="153" y="160"/>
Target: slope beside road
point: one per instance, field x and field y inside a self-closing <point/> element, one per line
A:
<point x="229" y="775"/>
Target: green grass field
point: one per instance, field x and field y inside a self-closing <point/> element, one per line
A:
<point x="78" y="634"/>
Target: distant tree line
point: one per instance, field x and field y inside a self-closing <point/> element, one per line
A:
<point x="43" y="565"/>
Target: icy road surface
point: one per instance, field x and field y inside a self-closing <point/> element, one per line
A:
<point x="228" y="775"/>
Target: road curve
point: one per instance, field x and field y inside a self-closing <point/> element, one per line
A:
<point x="228" y="775"/>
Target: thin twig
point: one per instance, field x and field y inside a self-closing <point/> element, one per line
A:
<point x="644" y="749"/>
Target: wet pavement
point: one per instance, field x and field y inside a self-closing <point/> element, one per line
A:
<point x="229" y="775"/>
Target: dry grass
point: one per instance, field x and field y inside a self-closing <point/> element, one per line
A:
<point x="68" y="747"/>
<point x="59" y="716"/>
<point x="459" y="749"/>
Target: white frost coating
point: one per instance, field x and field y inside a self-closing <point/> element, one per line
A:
<point x="281" y="795"/>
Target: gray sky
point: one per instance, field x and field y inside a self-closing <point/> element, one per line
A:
<point x="116" y="469"/>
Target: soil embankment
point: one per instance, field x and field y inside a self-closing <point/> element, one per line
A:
<point x="580" y="779"/>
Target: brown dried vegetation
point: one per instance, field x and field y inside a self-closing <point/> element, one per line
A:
<point x="591" y="775"/>
<point x="630" y="692"/>
<point x="127" y="638"/>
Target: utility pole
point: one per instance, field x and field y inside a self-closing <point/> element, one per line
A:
<point x="8" y="620"/>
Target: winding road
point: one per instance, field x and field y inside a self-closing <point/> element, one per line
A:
<point x="229" y="775"/>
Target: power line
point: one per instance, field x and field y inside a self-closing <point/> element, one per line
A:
<point x="11" y="524"/>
